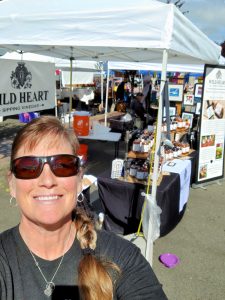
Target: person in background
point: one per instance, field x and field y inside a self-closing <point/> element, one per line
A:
<point x="122" y="92"/>
<point x="147" y="92"/>
<point x="138" y="108"/>
<point x="55" y="251"/>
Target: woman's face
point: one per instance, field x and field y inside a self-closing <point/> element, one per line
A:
<point x="46" y="200"/>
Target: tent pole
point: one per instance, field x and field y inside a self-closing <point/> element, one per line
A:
<point x="106" y="96"/>
<point x="149" y="246"/>
<point x="102" y="84"/>
<point x="71" y="88"/>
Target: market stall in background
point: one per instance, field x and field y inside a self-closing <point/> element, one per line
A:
<point x="71" y="31"/>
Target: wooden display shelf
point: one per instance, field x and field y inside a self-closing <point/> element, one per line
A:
<point x="138" y="155"/>
<point x="132" y="179"/>
<point x="178" y="130"/>
<point x="144" y="155"/>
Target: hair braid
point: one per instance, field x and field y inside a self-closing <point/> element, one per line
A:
<point x="94" y="274"/>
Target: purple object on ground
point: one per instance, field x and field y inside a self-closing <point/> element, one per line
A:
<point x="169" y="260"/>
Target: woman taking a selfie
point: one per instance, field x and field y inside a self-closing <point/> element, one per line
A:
<point x="55" y="251"/>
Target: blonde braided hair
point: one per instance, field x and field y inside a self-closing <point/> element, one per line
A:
<point x="94" y="279"/>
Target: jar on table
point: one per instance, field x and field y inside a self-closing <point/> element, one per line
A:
<point x="151" y="141"/>
<point x="167" y="155"/>
<point x="174" y="125"/>
<point x="146" y="170"/>
<point x="170" y="154"/>
<point x="183" y="147"/>
<point x="133" y="170"/>
<point x="145" y="146"/>
<point x="140" y="175"/>
<point x="136" y="146"/>
<point x="187" y="147"/>
<point x="179" y="150"/>
<point x="175" y="152"/>
<point x="180" y="123"/>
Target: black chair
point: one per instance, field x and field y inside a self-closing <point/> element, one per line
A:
<point x="121" y="206"/>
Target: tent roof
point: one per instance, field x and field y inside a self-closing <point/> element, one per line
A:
<point x="156" y="67"/>
<point x="63" y="64"/>
<point x="127" y="30"/>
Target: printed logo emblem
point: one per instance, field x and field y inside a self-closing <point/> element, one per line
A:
<point x="21" y="78"/>
<point x="219" y="75"/>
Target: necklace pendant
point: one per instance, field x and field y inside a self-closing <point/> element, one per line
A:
<point x="49" y="289"/>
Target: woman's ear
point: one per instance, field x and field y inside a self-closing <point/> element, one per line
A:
<point x="79" y="181"/>
<point x="11" y="183"/>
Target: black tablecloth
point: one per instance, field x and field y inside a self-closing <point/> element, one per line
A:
<point x="122" y="202"/>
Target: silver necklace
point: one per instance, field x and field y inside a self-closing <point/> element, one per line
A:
<point x="50" y="285"/>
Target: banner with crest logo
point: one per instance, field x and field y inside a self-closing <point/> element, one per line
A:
<point x="26" y="86"/>
<point x="212" y="125"/>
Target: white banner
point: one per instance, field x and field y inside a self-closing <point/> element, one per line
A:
<point x="212" y="131"/>
<point x="26" y="86"/>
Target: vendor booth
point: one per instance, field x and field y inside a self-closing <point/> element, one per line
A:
<point x="118" y="31"/>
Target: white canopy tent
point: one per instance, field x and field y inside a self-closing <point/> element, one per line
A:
<point x="186" y="68"/>
<point x="120" y="31"/>
<point x="128" y="30"/>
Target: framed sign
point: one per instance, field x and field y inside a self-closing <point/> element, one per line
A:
<point x="176" y="92"/>
<point x="188" y="99"/>
<point x="198" y="90"/>
<point x="189" y="117"/>
<point x="198" y="108"/>
<point x="27" y="86"/>
<point x="210" y="164"/>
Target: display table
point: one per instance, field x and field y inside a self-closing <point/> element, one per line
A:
<point x="122" y="202"/>
<point x="100" y="118"/>
<point x="105" y="136"/>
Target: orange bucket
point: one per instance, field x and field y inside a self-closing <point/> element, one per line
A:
<point x="82" y="151"/>
<point x="81" y="123"/>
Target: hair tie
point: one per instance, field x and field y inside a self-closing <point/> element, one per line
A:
<point x="88" y="251"/>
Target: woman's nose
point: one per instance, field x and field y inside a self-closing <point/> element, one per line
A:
<point x="47" y="178"/>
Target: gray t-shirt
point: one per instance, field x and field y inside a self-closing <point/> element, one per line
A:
<point x="20" y="278"/>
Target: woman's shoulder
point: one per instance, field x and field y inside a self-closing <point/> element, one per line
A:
<point x="111" y="237"/>
<point x="6" y="237"/>
<point x="114" y="246"/>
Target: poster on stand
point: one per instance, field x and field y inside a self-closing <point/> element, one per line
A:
<point x="26" y="86"/>
<point x="212" y="125"/>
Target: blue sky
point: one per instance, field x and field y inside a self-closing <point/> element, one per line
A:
<point x="208" y="16"/>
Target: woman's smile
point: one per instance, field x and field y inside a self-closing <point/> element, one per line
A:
<point x="48" y="199"/>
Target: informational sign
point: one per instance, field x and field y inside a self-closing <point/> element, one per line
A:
<point x="212" y="125"/>
<point x="26" y="86"/>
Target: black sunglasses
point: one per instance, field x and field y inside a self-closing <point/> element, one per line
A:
<point x="30" y="167"/>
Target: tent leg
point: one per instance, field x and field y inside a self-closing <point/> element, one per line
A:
<point x="106" y="96"/>
<point x="71" y="88"/>
<point x="149" y="244"/>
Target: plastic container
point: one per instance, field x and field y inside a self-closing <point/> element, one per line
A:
<point x="82" y="153"/>
<point x="27" y="117"/>
<point x="81" y="121"/>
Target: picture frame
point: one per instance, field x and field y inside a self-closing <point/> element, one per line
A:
<point x="188" y="108"/>
<point x="188" y="99"/>
<point x="198" y="90"/>
<point x="175" y="92"/>
<point x="172" y="111"/>
<point x="188" y="116"/>
<point x="198" y="108"/>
